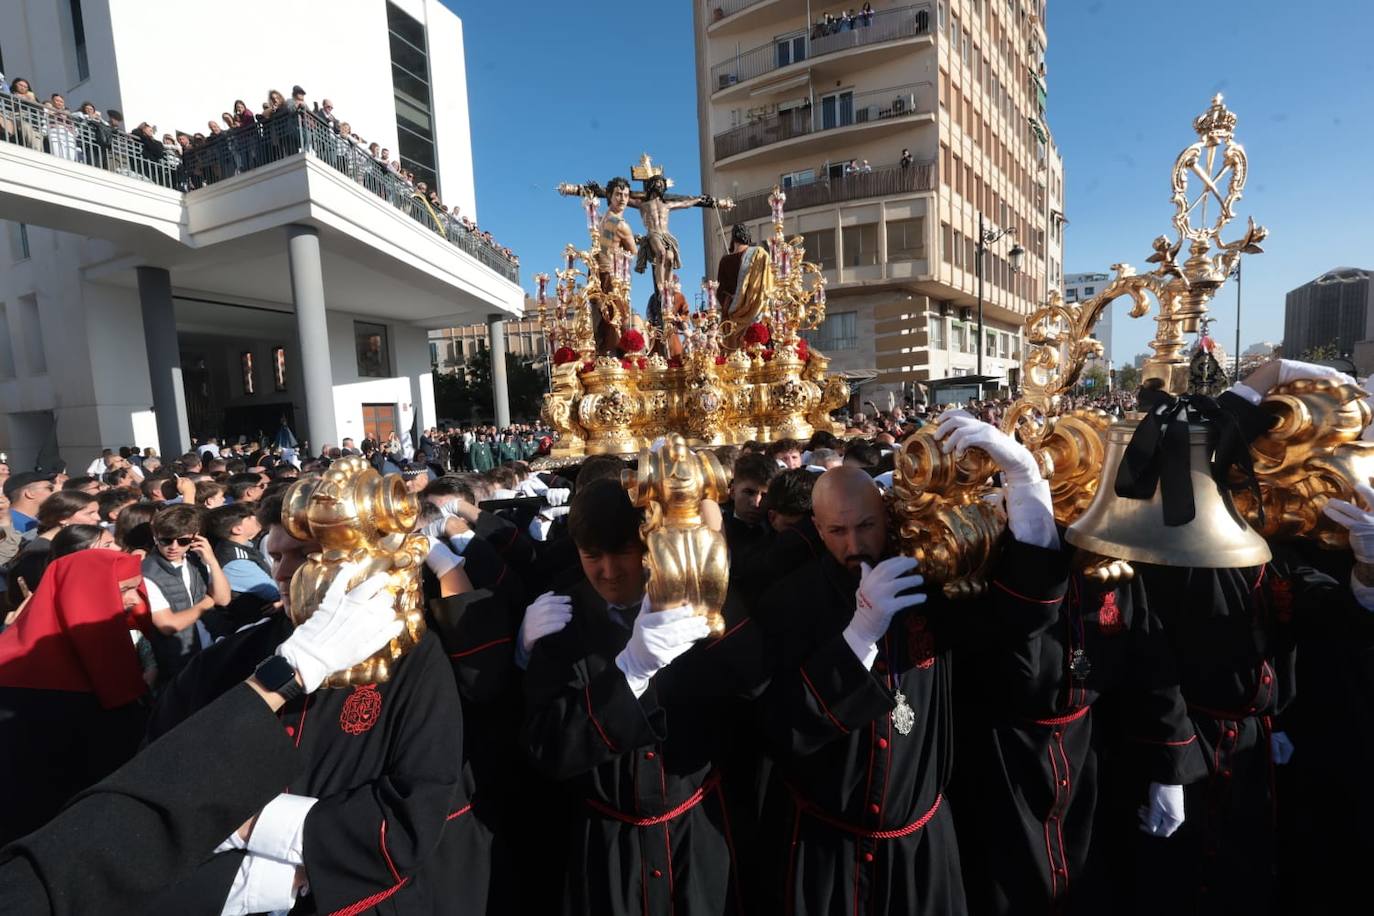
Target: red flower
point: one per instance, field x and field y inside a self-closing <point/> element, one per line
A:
<point x="767" y="355"/>
<point x="642" y="362"/>
<point x="803" y="350"/>
<point x="675" y="362"/>
<point x="756" y="334"/>
<point x="632" y="341"/>
<point x="589" y="366"/>
<point x="564" y="355"/>
<point x="720" y="360"/>
<point x="627" y="364"/>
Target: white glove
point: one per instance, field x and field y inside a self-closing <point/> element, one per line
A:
<point x="658" y="638"/>
<point x="877" y="601"/>
<point x="434" y="528"/>
<point x="346" y="629"/>
<point x="1164" y="813"/>
<point x="547" y="615"/>
<point x="1359" y="522"/>
<point x="1030" y="511"/>
<point x="441" y="559"/>
<point x="1282" y="371"/>
<point x="1280" y="748"/>
<point x="557" y="496"/>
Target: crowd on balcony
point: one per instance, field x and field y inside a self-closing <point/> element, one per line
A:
<point x="830" y="24"/>
<point x="238" y="140"/>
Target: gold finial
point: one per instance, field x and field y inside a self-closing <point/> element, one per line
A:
<point x="1216" y="123"/>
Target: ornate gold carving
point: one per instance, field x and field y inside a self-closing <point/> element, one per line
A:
<point x="1313" y="454"/>
<point x="357" y="515"/>
<point x="687" y="560"/>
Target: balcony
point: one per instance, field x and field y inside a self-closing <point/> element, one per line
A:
<point x="893" y="107"/>
<point x="726" y="16"/>
<point x="886" y="27"/>
<point x="69" y="137"/>
<point x="884" y="181"/>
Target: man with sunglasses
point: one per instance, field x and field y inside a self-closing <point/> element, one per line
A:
<point x="184" y="580"/>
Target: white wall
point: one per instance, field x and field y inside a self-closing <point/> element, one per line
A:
<point x="409" y="390"/>
<point x="449" y="103"/>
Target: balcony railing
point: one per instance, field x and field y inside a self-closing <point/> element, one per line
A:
<point x="68" y="135"/>
<point x="889" y="25"/>
<point x="720" y="9"/>
<point x="882" y="181"/>
<point x="72" y="136"/>
<point x="833" y="111"/>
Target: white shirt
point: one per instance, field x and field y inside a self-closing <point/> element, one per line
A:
<point x="265" y="882"/>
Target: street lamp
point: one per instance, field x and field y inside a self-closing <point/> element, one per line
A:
<point x="987" y="237"/>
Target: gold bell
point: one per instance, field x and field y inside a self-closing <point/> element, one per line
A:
<point x="1134" y="529"/>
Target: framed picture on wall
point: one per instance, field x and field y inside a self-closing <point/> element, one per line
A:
<point x="373" y="348"/>
<point x="279" y="368"/>
<point x="246" y="364"/>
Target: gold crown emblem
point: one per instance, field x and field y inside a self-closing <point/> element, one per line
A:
<point x="645" y="169"/>
<point x="1216" y="123"/>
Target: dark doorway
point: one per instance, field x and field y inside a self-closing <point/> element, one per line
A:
<point x="258" y="421"/>
<point x="379" y="421"/>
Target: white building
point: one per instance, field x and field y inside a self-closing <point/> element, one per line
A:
<point x="1082" y="287"/>
<point x="299" y="281"/>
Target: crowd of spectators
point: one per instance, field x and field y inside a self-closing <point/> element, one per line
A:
<point x="830" y="24"/>
<point x="239" y="139"/>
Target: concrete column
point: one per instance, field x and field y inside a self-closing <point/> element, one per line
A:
<point x="312" y="332"/>
<point x="164" y="361"/>
<point x="500" y="395"/>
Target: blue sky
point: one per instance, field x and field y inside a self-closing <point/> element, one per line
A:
<point x="565" y="92"/>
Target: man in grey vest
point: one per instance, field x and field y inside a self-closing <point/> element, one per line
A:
<point x="184" y="580"/>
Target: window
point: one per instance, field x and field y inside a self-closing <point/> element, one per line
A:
<point x="1088" y="290"/>
<point x="936" y="326"/>
<point x="954" y="33"/>
<point x="958" y="248"/>
<point x="374" y="352"/>
<point x="839" y="331"/>
<point x="947" y="249"/>
<point x="791" y="49"/>
<point x="906" y="239"/>
<point x="801" y="177"/>
<point x="1003" y="345"/>
<point x="83" y="67"/>
<point x="19" y="241"/>
<point x="959" y="175"/>
<point x="820" y="247"/>
<point x="837" y="109"/>
<point x="278" y="368"/>
<point x="991" y="349"/>
<point x="959" y="337"/>
<point x="410" y="85"/>
<point x="945" y="164"/>
<point x="861" y="245"/>
<point x="965" y="47"/>
<point x="944" y="88"/>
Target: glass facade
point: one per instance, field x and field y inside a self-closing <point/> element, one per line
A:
<point x="410" y="80"/>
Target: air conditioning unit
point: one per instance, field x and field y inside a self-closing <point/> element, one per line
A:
<point x="965" y="313"/>
<point x="944" y="309"/>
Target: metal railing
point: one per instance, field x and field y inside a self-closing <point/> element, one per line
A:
<point x="848" y="109"/>
<point x="889" y="25"/>
<point x="232" y="152"/>
<point x="72" y="136"/>
<point x="721" y="9"/>
<point x="882" y="181"/>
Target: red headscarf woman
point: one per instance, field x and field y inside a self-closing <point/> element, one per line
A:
<point x="70" y="685"/>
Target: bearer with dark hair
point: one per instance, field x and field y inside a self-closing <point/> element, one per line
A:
<point x="746" y="526"/>
<point x="624" y="707"/>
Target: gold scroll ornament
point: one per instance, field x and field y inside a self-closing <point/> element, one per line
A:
<point x="687" y="559"/>
<point x="355" y="514"/>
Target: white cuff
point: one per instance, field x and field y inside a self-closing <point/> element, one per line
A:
<point x="1240" y="389"/>
<point x="1364" y="594"/>
<point x="539" y="528"/>
<point x="280" y="830"/>
<point x="441" y="559"/>
<point x="638" y="683"/>
<point x="459" y="542"/>
<point x="866" y="653"/>
<point x="261" y="885"/>
<point x="533" y="486"/>
<point x="1030" y="514"/>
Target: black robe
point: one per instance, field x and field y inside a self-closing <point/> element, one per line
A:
<point x="649" y="830"/>
<point x="385" y="762"/>
<point x="148" y="824"/>
<point x="856" y="821"/>
<point x="1047" y="645"/>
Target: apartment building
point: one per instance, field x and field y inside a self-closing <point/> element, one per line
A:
<point x="451" y="348"/>
<point x="892" y="133"/>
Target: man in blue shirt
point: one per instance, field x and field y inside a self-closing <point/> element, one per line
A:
<point x="26" y="492"/>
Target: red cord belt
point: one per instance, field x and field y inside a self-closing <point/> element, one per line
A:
<point x="707" y="787"/>
<point x="813" y="810"/>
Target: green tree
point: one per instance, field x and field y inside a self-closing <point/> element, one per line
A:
<point x="1128" y="378"/>
<point x="1320" y="352"/>
<point x="1093" y="380"/>
<point x="467" y="394"/>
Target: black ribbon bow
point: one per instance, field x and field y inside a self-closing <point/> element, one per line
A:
<point x="1157" y="455"/>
